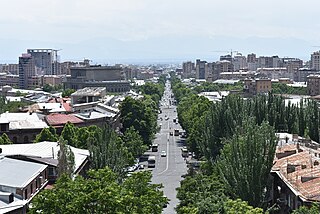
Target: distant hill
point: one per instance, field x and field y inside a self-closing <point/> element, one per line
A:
<point x="162" y="49"/>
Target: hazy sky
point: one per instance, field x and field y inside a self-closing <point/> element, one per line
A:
<point x="72" y="21"/>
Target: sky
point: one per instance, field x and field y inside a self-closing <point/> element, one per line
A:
<point x="136" y="29"/>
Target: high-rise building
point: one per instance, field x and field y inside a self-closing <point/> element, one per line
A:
<point x="252" y="58"/>
<point x="45" y="60"/>
<point x="187" y="69"/>
<point x="200" y="69"/>
<point x="315" y="61"/>
<point x="239" y="62"/>
<point x="26" y="70"/>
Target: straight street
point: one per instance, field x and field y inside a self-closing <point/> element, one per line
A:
<point x="169" y="169"/>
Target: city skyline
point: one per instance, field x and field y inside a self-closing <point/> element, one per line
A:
<point x="168" y="30"/>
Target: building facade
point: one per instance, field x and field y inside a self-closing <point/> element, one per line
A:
<point x="315" y="61"/>
<point x="313" y="84"/>
<point x="26" y="70"/>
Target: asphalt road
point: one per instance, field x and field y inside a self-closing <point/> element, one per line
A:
<point x="169" y="169"/>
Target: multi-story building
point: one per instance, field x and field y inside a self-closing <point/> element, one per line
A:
<point x="313" y="84"/>
<point x="187" y="69"/>
<point x="224" y="66"/>
<point x="257" y="86"/>
<point x="292" y="64"/>
<point x="301" y="74"/>
<point x="315" y="61"/>
<point x="251" y="58"/>
<point x="265" y="62"/>
<point x="239" y="62"/>
<point x="200" y="69"/>
<point x="111" y="77"/>
<point x="226" y="57"/>
<point x="44" y="60"/>
<point x="275" y="73"/>
<point x="26" y="70"/>
<point x="10" y="69"/>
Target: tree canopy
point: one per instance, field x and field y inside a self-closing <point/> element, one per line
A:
<point x="101" y="193"/>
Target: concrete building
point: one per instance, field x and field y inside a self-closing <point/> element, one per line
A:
<point x="224" y="66"/>
<point x="187" y="69"/>
<point x="88" y="95"/>
<point x="265" y="62"/>
<point x="315" y="61"/>
<point x="251" y="58"/>
<point x="44" y="60"/>
<point x="239" y="62"/>
<point x="301" y="74"/>
<point x="10" y="69"/>
<point x="110" y="77"/>
<point x="226" y="57"/>
<point x="292" y="64"/>
<point x="200" y="69"/>
<point x="274" y="73"/>
<point x="52" y="80"/>
<point x="313" y="84"/>
<point x="26" y="70"/>
<point x="257" y="86"/>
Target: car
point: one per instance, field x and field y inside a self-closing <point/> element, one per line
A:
<point x="163" y="153"/>
<point x="141" y="166"/>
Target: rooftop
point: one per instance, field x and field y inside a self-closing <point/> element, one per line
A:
<point x="44" y="152"/>
<point x="298" y="166"/>
<point x="23" y="121"/>
<point x="90" y="91"/>
<point x="61" y="119"/>
<point x="18" y="173"/>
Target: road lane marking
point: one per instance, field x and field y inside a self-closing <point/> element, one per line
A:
<point x="167" y="166"/>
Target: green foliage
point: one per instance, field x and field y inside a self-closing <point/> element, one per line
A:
<point x="4" y="139"/>
<point x="238" y="206"/>
<point x="134" y="142"/>
<point x="68" y="92"/>
<point x="65" y="159"/>
<point x="47" y="134"/>
<point x="141" y="115"/>
<point x="12" y="106"/>
<point x="52" y="88"/>
<point x="281" y="88"/>
<point x="155" y="91"/>
<point x="315" y="209"/>
<point x="246" y="160"/>
<point x="101" y="193"/>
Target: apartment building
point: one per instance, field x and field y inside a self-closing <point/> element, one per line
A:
<point x="26" y="70"/>
<point x="313" y="84"/>
<point x="257" y="86"/>
<point x="315" y="61"/>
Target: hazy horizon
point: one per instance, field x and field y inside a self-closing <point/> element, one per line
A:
<point x="146" y="30"/>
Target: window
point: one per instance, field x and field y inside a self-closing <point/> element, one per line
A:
<point x="26" y="194"/>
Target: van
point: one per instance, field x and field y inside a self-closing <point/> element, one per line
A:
<point x="151" y="161"/>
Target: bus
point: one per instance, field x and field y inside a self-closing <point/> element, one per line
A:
<point x="176" y="132"/>
<point x="184" y="152"/>
<point x="151" y="161"/>
<point x="154" y="147"/>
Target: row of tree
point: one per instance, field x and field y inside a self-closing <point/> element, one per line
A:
<point x="107" y="188"/>
<point x="237" y="139"/>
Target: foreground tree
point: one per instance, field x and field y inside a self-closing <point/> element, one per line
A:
<point x="107" y="149"/>
<point x="65" y="159"/>
<point x="246" y="160"/>
<point x="101" y="193"/>
<point x="47" y="134"/>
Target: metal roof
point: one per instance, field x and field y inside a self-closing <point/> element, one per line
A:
<point x="45" y="150"/>
<point x="17" y="173"/>
<point x="23" y="121"/>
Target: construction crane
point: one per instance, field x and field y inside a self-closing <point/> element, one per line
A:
<point x="231" y="52"/>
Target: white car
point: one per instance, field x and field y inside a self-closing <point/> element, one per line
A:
<point x="163" y="154"/>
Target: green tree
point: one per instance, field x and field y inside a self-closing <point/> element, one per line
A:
<point x="133" y="141"/>
<point x="108" y="150"/>
<point x="65" y="159"/>
<point x="69" y="134"/>
<point x="67" y="92"/>
<point x="101" y="193"/>
<point x="5" y="140"/>
<point x="47" y="134"/>
<point x="315" y="209"/>
<point x="246" y="160"/>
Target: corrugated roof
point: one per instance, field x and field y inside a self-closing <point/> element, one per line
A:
<point x="44" y="150"/>
<point x="17" y="173"/>
<point x="61" y="119"/>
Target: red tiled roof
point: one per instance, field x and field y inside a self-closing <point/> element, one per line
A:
<point x="306" y="166"/>
<point x="61" y="119"/>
